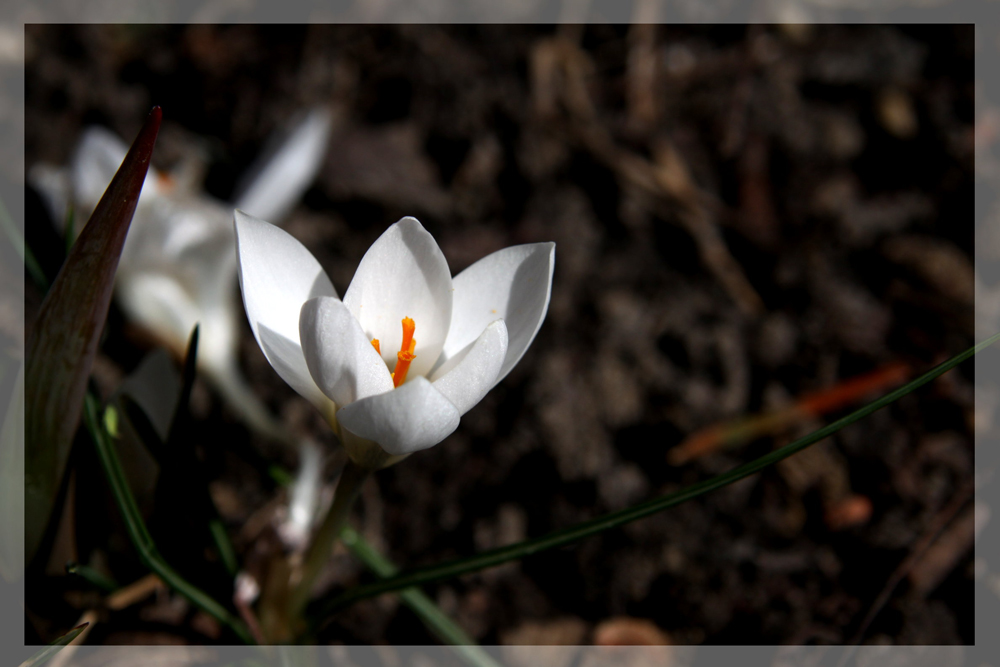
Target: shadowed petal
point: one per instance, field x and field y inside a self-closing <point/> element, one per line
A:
<point x="160" y="303"/>
<point x="513" y="284"/>
<point x="280" y="177"/>
<point x="413" y="417"/>
<point x="404" y="274"/>
<point x="464" y="379"/>
<point x="278" y="275"/>
<point x="340" y="357"/>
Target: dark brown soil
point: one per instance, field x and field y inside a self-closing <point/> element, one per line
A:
<point x="742" y="216"/>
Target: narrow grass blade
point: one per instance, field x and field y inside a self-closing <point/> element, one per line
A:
<point x="46" y="653"/>
<point x="586" y="529"/>
<point x="436" y="620"/>
<point x="227" y="554"/>
<point x="92" y="577"/>
<point x="139" y="534"/>
<point x="65" y="336"/>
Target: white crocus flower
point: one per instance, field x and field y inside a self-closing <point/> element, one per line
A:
<point x="409" y="350"/>
<point x="178" y="265"/>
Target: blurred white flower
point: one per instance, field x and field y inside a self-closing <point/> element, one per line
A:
<point x="447" y="341"/>
<point x="304" y="495"/>
<point x="178" y="266"/>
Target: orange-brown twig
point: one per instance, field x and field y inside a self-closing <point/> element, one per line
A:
<point x="736" y="433"/>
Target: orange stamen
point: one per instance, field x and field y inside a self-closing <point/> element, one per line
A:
<point x="375" y="345"/>
<point x="405" y="354"/>
<point x="408" y="328"/>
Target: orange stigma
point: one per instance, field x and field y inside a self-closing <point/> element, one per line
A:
<point x="405" y="354"/>
<point x="375" y="345"/>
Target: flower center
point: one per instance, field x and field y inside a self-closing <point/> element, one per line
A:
<point x="405" y="354"/>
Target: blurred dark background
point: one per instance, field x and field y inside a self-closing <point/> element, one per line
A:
<point x="743" y="215"/>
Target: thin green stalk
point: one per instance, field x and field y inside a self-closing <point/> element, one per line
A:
<point x="139" y="535"/>
<point x="436" y="620"/>
<point x="92" y="577"/>
<point x="352" y="478"/>
<point x="279" y="475"/>
<point x="572" y="534"/>
<point x="224" y="545"/>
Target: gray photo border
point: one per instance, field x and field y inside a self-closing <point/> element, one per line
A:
<point x="14" y="14"/>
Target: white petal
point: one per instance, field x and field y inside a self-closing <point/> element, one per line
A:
<point x="465" y="379"/>
<point x="340" y="357"/>
<point x="304" y="496"/>
<point x="404" y="274"/>
<point x="178" y="268"/>
<point x="162" y="305"/>
<point x="94" y="163"/>
<point x="279" y="178"/>
<point x="199" y="227"/>
<point x="413" y="417"/>
<point x="513" y="284"/>
<point x="278" y="275"/>
<point x="155" y="387"/>
<point x="52" y="183"/>
<point x="190" y="238"/>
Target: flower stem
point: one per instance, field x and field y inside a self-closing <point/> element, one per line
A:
<point x="352" y="478"/>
